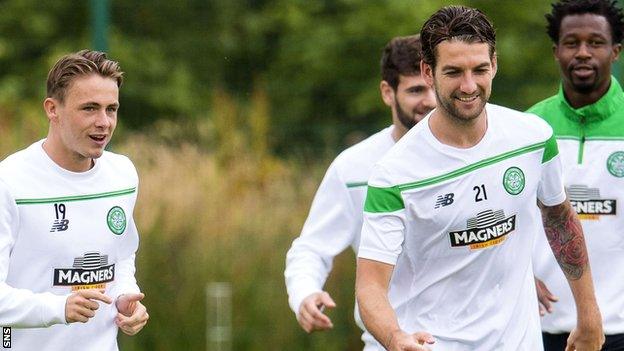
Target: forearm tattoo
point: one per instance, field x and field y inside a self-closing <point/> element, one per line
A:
<point x="565" y="236"/>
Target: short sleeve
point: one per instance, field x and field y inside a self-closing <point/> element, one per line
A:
<point x="551" y="190"/>
<point x="383" y="230"/>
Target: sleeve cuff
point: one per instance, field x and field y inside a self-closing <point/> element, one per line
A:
<point x="296" y="298"/>
<point x="126" y="289"/>
<point x="377" y="255"/>
<point x="53" y="309"/>
<point x="554" y="200"/>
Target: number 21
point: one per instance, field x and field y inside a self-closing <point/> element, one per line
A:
<point x="480" y="194"/>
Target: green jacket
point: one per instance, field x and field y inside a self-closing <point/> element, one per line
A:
<point x="602" y="120"/>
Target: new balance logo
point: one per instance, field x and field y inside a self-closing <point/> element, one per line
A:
<point x="444" y="200"/>
<point x="60" y="225"/>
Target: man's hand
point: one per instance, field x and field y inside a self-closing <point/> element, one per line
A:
<point x="311" y="317"/>
<point x="402" y="341"/>
<point x="585" y="339"/>
<point x="132" y="315"/>
<point x="81" y="305"/>
<point x="544" y="297"/>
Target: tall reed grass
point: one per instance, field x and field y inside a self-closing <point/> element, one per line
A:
<point x="202" y="222"/>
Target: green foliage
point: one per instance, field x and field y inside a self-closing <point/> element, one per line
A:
<point x="317" y="61"/>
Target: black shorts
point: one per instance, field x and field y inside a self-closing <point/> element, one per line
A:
<point x="557" y="342"/>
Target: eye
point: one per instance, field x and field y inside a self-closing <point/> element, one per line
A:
<point x="89" y="108"/>
<point x="112" y="109"/>
<point x="451" y="73"/>
<point x="416" y="90"/>
<point x="596" y="42"/>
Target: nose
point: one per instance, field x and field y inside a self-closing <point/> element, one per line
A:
<point x="102" y="120"/>
<point x="468" y="84"/>
<point x="583" y="51"/>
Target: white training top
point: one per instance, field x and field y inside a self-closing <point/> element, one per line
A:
<point x="459" y="226"/>
<point x="61" y="231"/>
<point x="335" y="220"/>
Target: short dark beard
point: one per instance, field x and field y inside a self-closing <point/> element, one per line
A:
<point x="408" y="121"/>
<point x="584" y="88"/>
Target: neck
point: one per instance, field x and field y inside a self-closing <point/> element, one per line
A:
<point x="456" y="132"/>
<point x="577" y="99"/>
<point x="398" y="131"/>
<point x="65" y="158"/>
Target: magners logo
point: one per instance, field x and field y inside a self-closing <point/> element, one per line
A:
<point x="488" y="228"/>
<point x="91" y="271"/>
<point x="588" y="204"/>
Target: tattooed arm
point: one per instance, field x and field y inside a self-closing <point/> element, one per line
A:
<point x="565" y="236"/>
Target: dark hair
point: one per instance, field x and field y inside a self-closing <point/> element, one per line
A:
<point x="456" y="22"/>
<point x="605" y="8"/>
<point x="81" y="63"/>
<point x="401" y="56"/>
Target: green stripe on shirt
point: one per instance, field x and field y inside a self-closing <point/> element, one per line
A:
<point x="550" y="149"/>
<point x="472" y="167"/>
<point x="356" y="184"/>
<point x="389" y="199"/>
<point x="75" y="198"/>
<point x="383" y="200"/>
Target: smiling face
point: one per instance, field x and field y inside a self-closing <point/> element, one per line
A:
<point x="585" y="52"/>
<point x="83" y="123"/>
<point x="411" y="101"/>
<point x="462" y="78"/>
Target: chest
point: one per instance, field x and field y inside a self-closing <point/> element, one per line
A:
<point x="594" y="176"/>
<point x="72" y="226"/>
<point x="480" y="207"/>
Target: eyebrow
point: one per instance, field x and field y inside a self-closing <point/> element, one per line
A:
<point x="451" y="67"/>
<point x="93" y="103"/>
<point x="592" y="34"/>
<point x="417" y="87"/>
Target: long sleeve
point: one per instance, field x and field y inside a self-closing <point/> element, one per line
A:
<point x="21" y="308"/>
<point x="125" y="281"/>
<point x="332" y="225"/>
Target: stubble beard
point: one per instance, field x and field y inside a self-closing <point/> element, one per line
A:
<point x="583" y="86"/>
<point x="455" y="114"/>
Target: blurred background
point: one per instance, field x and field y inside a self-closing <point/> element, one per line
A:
<point x="231" y="111"/>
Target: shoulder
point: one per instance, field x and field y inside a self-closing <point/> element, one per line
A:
<point x="412" y="149"/>
<point x="544" y="105"/>
<point x="12" y="163"/>
<point x="356" y="162"/>
<point x="18" y="163"/>
<point x="523" y="125"/>
<point x="118" y="163"/>
<point x="5" y="193"/>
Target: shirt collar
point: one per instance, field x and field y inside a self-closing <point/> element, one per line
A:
<point x="606" y="106"/>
